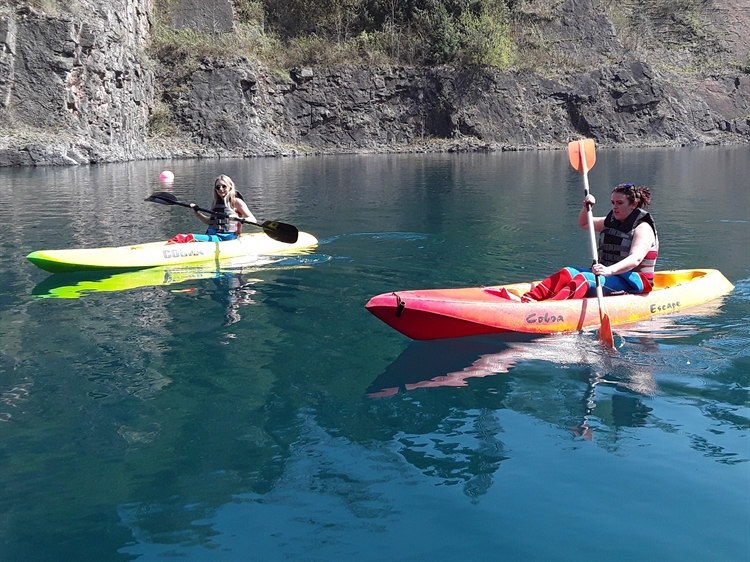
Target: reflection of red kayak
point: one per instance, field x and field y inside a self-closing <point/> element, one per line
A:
<point x="452" y="313"/>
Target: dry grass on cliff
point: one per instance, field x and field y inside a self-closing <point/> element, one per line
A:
<point x="182" y="51"/>
<point x="180" y="46"/>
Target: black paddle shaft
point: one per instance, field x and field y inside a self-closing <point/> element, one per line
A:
<point x="280" y="231"/>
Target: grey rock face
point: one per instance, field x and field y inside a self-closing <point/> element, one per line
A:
<point x="614" y="96"/>
<point x="80" y="76"/>
<point x="350" y="108"/>
<point x="203" y="15"/>
<point x="77" y="88"/>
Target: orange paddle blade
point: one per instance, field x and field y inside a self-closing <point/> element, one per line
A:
<point x="574" y="153"/>
<point x="605" y="332"/>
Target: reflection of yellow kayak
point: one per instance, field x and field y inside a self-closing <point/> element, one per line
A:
<point x="76" y="285"/>
<point x="155" y="254"/>
<point x="451" y="313"/>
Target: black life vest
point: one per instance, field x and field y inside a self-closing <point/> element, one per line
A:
<point x="616" y="239"/>
<point x="220" y="221"/>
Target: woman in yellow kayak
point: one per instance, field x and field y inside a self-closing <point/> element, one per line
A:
<point x="227" y="206"/>
<point x="628" y="248"/>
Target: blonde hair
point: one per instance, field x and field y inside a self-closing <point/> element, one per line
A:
<point x="232" y="191"/>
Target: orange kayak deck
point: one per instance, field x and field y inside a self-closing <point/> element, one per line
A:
<point x="451" y="313"/>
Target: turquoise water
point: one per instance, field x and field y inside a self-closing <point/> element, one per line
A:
<point x="262" y="414"/>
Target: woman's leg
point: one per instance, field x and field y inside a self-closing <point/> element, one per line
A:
<point x="571" y="283"/>
<point x="214" y="237"/>
<point x="575" y="289"/>
<point x="630" y="282"/>
<point x="205" y="238"/>
<point x="550" y="286"/>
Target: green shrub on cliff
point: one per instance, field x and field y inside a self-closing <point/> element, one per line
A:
<point x="312" y="50"/>
<point x="486" y="38"/>
<point x="250" y="11"/>
<point x="329" y="32"/>
<point x="438" y="33"/>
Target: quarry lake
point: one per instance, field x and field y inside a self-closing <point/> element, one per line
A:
<point x="261" y="413"/>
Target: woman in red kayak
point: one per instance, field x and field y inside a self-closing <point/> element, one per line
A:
<point x="628" y="247"/>
<point x="227" y="205"/>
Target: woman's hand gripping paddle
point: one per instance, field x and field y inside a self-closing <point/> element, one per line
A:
<point x="280" y="231"/>
<point x="582" y="158"/>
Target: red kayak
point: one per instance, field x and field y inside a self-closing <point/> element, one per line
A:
<point x="452" y="313"/>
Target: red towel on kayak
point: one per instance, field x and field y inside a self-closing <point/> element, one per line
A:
<point x="181" y="239"/>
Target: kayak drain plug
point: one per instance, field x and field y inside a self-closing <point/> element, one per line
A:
<point x="401" y="305"/>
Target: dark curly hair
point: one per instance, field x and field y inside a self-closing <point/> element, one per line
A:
<point x="632" y="192"/>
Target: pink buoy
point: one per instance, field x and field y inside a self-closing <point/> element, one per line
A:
<point x="166" y="175"/>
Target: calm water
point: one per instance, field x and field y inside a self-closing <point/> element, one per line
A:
<point x="263" y="414"/>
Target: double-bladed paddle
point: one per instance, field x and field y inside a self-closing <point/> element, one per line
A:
<point x="280" y="231"/>
<point x="582" y="158"/>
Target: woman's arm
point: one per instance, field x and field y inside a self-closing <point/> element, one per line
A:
<point x="203" y="218"/>
<point x="643" y="241"/>
<point x="583" y="216"/>
<point x="241" y="208"/>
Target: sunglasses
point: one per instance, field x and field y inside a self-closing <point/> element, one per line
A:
<point x="221" y="185"/>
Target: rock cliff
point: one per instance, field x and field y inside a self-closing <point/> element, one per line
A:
<point x="77" y="88"/>
<point x="74" y="86"/>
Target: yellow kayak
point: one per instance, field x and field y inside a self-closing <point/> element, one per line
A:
<point x="451" y="313"/>
<point x="156" y="254"/>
